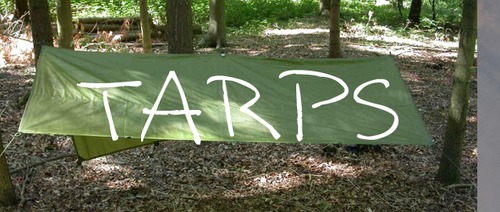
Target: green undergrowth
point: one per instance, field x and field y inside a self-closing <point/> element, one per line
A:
<point x="253" y="17"/>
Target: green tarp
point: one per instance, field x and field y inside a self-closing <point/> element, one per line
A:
<point x="91" y="96"/>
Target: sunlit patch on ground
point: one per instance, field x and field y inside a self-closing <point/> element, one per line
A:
<point x="126" y="183"/>
<point x="276" y="180"/>
<point x="472" y="119"/>
<point x="338" y="169"/>
<point x="14" y="50"/>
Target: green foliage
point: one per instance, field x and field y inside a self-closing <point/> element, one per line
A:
<point x="157" y="10"/>
<point x="251" y="27"/>
<point x="115" y="8"/>
<point x="255" y="14"/>
<point x="239" y="13"/>
<point x="106" y="8"/>
<point x="428" y="23"/>
<point x="201" y="11"/>
<point x="357" y="10"/>
<point x="6" y="7"/>
<point x="448" y="11"/>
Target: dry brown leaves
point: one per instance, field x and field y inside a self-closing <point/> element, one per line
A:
<point x="221" y="176"/>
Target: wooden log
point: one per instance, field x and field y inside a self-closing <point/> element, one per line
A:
<point x="93" y="25"/>
<point x="130" y="36"/>
<point x="108" y="20"/>
<point x="105" y="27"/>
<point x="114" y="37"/>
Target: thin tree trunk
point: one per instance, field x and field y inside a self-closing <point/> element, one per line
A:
<point x="64" y="23"/>
<point x="414" y="15"/>
<point x="179" y="27"/>
<point x="335" y="47"/>
<point x="41" y="29"/>
<point x="400" y="9"/>
<point x="449" y="167"/>
<point x="7" y="193"/>
<point x="433" y="4"/>
<point x="216" y="35"/>
<point x="145" y="28"/>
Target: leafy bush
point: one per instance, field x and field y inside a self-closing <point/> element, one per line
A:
<point x="357" y="10"/>
<point x="201" y="11"/>
<point x="6" y="6"/>
<point x="449" y="11"/>
<point x="256" y="14"/>
<point x="241" y="13"/>
<point x="428" y="23"/>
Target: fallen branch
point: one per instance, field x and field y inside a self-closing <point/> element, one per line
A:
<point x="23" y="188"/>
<point x="1" y="113"/>
<point x="460" y="186"/>
<point x="43" y="162"/>
<point x="191" y="198"/>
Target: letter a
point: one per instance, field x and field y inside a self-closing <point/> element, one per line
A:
<point x="185" y="110"/>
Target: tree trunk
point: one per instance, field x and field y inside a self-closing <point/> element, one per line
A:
<point x="400" y="9"/>
<point x="324" y="7"/>
<point x="7" y="193"/>
<point x="216" y="35"/>
<point x="335" y="50"/>
<point x="64" y="24"/>
<point x="449" y="167"/>
<point x="145" y="28"/>
<point x="22" y="10"/>
<point x="433" y="4"/>
<point x="414" y="15"/>
<point x="179" y="27"/>
<point x="41" y="29"/>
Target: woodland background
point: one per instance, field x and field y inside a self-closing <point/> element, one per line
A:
<point x="222" y="176"/>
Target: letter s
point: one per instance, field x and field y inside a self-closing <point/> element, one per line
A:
<point x="381" y="107"/>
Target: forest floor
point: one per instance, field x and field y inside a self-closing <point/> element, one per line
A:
<point x="222" y="176"/>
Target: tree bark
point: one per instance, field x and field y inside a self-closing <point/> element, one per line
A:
<point x="414" y="15"/>
<point x="145" y="28"/>
<point x="216" y="35"/>
<point x="22" y="10"/>
<point x="179" y="27"/>
<point x="449" y="167"/>
<point x="7" y="193"/>
<point x="324" y="7"/>
<point x="41" y="29"/>
<point x="335" y="47"/>
<point x="64" y="24"/>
